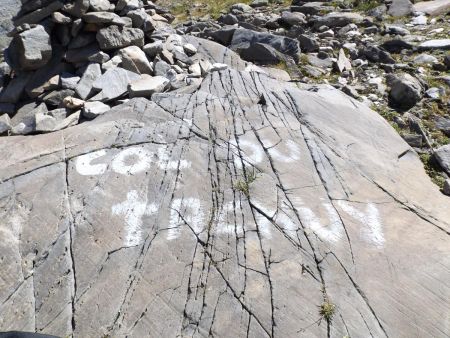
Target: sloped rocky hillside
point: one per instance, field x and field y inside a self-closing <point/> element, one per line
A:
<point x="163" y="179"/>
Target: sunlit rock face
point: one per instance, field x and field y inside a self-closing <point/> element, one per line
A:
<point x="233" y="211"/>
<point x="8" y="8"/>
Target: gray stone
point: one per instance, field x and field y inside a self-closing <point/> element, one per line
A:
<point x="77" y="8"/>
<point x="15" y="89"/>
<point x="24" y="121"/>
<point x="147" y="85"/>
<point x="113" y="63"/>
<point x="113" y="84"/>
<point x="189" y="49"/>
<point x="259" y="3"/>
<point x="425" y="59"/>
<point x="245" y="38"/>
<point x="400" y="8"/>
<point x="93" y="109"/>
<point x="342" y="63"/>
<point x="141" y="19"/>
<point x="161" y="68"/>
<point x="241" y="7"/>
<point x="114" y="37"/>
<point x="261" y="53"/>
<point x="100" y="57"/>
<point x="376" y="54"/>
<point x="55" y="98"/>
<point x="84" y="87"/>
<point x="45" y="122"/>
<point x="443" y="124"/>
<point x="128" y="5"/>
<point x="315" y="198"/>
<point x="446" y="188"/>
<point x="396" y="45"/>
<point x="413" y="140"/>
<point x="83" y="54"/>
<point x="433" y="93"/>
<point x="8" y="9"/>
<point x="442" y="155"/>
<point x="69" y="121"/>
<point x="100" y="5"/>
<point x="39" y="14"/>
<point x="5" y="123"/>
<point x="447" y="61"/>
<point x="338" y="19"/>
<point x="34" y="48"/>
<point x="396" y="30"/>
<point x="135" y="60"/>
<point x="103" y="18"/>
<point x="153" y="49"/>
<point x="308" y="44"/>
<point x="378" y="11"/>
<point x="442" y="44"/>
<point x="293" y="18"/>
<point x="419" y="20"/>
<point x="405" y="91"/>
<point x="82" y="40"/>
<point x="312" y="8"/>
<point x="434" y="7"/>
<point x="60" y="18"/>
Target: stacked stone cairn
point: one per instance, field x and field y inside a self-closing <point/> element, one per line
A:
<point x="70" y="61"/>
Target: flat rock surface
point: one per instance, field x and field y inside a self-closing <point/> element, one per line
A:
<point x="235" y="211"/>
<point x="434" y="7"/>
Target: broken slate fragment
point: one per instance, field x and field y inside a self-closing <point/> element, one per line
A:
<point x="92" y="109"/>
<point x="113" y="84"/>
<point x="84" y="87"/>
<point x="146" y="85"/>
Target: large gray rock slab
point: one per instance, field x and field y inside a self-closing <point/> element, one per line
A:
<point x="233" y="211"/>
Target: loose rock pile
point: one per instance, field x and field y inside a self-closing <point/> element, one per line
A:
<point x="73" y="60"/>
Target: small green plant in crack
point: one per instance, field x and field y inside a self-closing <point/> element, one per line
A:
<point x="433" y="169"/>
<point x="243" y="185"/>
<point x="327" y="310"/>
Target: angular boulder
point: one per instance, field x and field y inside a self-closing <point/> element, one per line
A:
<point x="245" y="38"/>
<point x="442" y="155"/>
<point x="405" y="91"/>
<point x="34" y="48"/>
<point x="400" y="8"/>
<point x="114" y="37"/>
